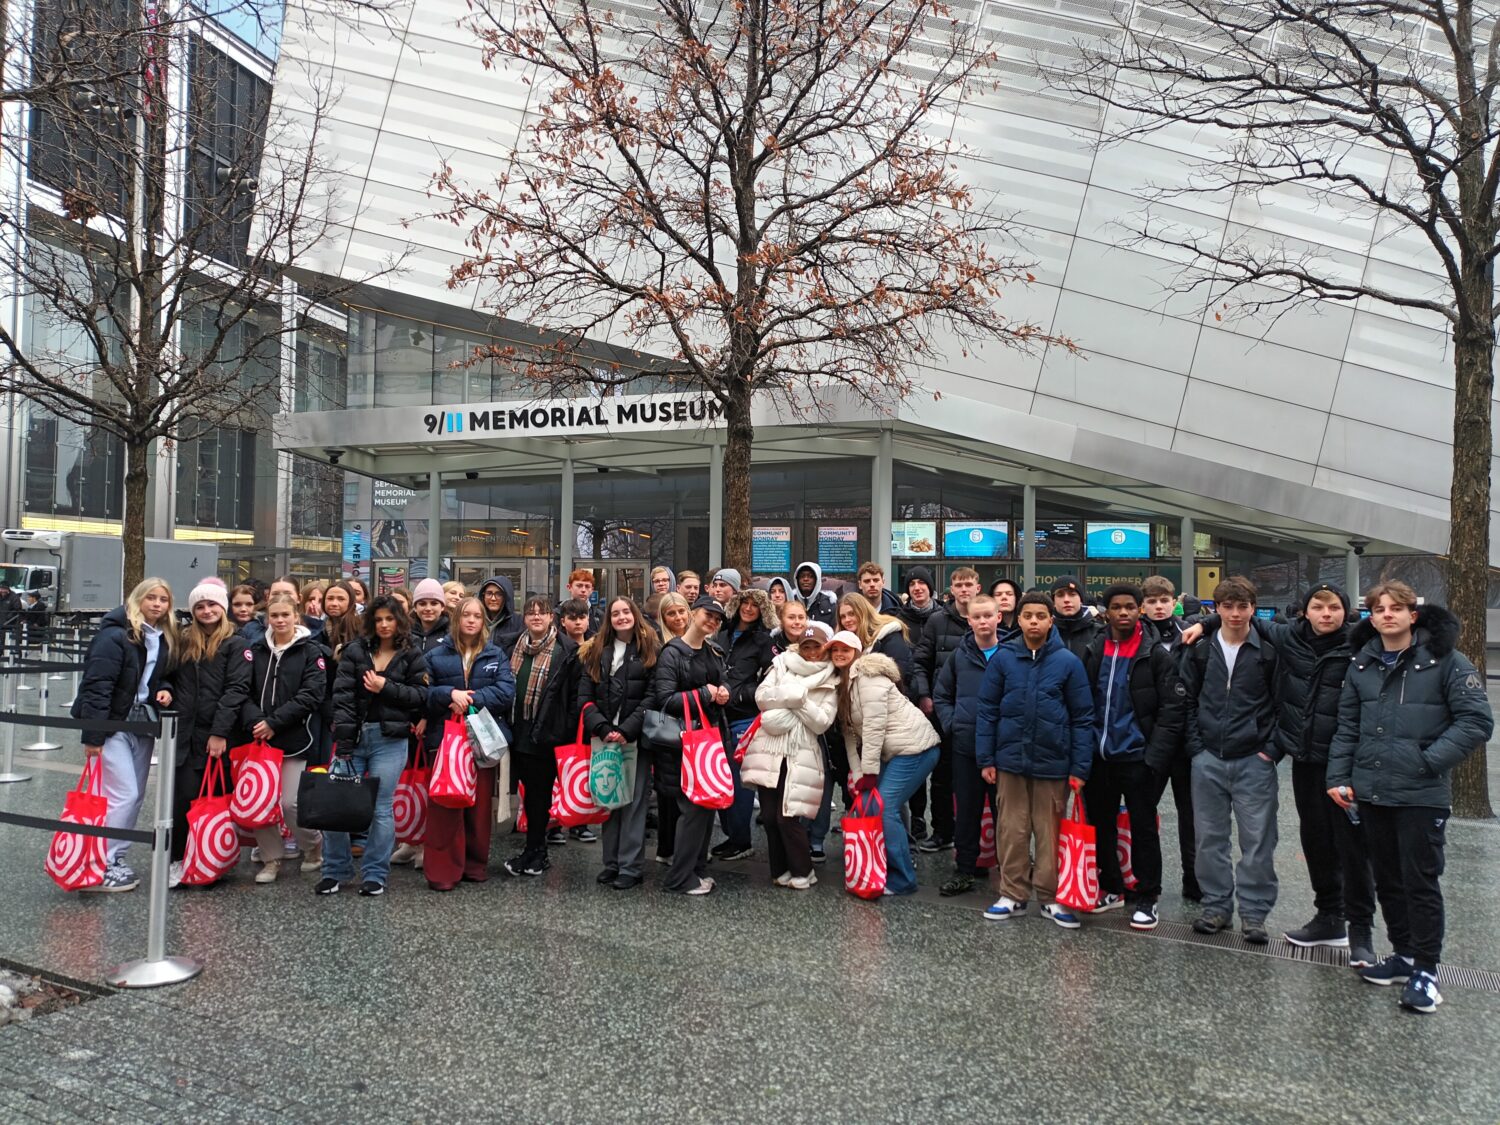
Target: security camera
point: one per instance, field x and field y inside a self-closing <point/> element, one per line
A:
<point x="1358" y="545"/>
<point x="334" y="455"/>
<point x="471" y="475"/>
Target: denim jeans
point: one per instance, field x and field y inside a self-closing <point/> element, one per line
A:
<point x="899" y="779"/>
<point x="383" y="758"/>
<point x="817" y="828"/>
<point x="735" y="820"/>
<point x="1244" y="789"/>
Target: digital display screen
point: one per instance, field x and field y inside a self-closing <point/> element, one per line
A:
<point x="1117" y="540"/>
<point x="971" y="540"/>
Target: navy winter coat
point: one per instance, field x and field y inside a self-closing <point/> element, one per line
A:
<point x="490" y="679"/>
<point x="1403" y="729"/>
<point x="1036" y="712"/>
<point x="112" y="672"/>
<point x="955" y="696"/>
<point x="1145" y="718"/>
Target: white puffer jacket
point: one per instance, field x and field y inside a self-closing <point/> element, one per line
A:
<point x="798" y="701"/>
<point x="886" y="724"/>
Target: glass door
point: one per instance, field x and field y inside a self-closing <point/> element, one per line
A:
<point x="614" y="579"/>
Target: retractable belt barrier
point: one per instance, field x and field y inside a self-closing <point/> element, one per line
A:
<point x="156" y="968"/>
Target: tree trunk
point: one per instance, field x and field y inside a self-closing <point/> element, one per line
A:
<point x="741" y="439"/>
<point x="137" y="454"/>
<point x="1469" y="531"/>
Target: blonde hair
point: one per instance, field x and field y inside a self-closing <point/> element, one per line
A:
<point x="458" y="588"/>
<point x="870" y="622"/>
<point x="468" y="650"/>
<point x="202" y="643"/>
<point x="673" y="600"/>
<point x="137" y="619"/>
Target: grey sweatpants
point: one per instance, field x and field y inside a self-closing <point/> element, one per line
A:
<point x="625" y="830"/>
<point x="1245" y="788"/>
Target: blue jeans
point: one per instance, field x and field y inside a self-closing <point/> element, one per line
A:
<point x="817" y="828"/>
<point x="735" y="820"/>
<point x="899" y="779"/>
<point x="383" y="758"/>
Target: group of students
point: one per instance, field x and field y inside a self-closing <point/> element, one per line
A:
<point x="1004" y="699"/>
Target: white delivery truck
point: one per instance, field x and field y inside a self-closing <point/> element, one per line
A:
<point x="78" y="573"/>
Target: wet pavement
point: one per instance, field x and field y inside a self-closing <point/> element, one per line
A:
<point x="555" y="999"/>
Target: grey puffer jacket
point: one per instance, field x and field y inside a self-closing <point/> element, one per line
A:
<point x="1402" y="729"/>
<point x="798" y="701"/>
<point x="885" y="723"/>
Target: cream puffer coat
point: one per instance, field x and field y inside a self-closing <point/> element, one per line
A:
<point x="798" y="700"/>
<point x="884" y="722"/>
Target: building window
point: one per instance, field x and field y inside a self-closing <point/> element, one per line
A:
<point x="317" y="499"/>
<point x="216" y="478"/>
<point x="72" y="470"/>
<point x="226" y="127"/>
<point x="321" y="381"/>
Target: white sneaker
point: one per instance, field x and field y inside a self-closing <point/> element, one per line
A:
<point x="705" y="886"/>
<point x="1006" y="907"/>
<point x="255" y="854"/>
<point x="403" y="855"/>
<point x="784" y="879"/>
<point x="803" y="882"/>
<point x="267" y="873"/>
<point x="174" y="876"/>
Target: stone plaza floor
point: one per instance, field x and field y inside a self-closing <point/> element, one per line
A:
<point x="553" y="999"/>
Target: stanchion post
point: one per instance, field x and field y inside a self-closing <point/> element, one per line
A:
<point x="157" y="968"/>
<point x="78" y="662"/>
<point x="9" y="774"/>
<point x="42" y="745"/>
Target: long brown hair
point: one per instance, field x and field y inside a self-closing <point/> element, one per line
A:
<point x="200" y="642"/>
<point x="591" y="655"/>
<point x="339" y="631"/>
<point x="870" y="622"/>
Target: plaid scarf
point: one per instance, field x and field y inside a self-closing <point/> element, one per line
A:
<point x="541" y="664"/>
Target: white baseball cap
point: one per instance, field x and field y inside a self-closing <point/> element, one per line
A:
<point x="847" y="639"/>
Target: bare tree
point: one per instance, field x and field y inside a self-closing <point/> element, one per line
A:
<point x="765" y="196"/>
<point x="1384" y="112"/>
<point x="158" y="281"/>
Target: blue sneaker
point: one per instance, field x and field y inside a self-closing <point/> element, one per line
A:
<point x="1421" y="993"/>
<point x="1395" y="969"/>
<point x="1006" y="908"/>
<point x="1061" y="915"/>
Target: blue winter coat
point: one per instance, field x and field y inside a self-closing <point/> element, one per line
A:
<point x="112" y="674"/>
<point x="955" y="695"/>
<point x="1036" y="712"/>
<point x="490" y="679"/>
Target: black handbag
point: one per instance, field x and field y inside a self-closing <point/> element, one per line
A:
<point x="660" y="731"/>
<point x="339" y="800"/>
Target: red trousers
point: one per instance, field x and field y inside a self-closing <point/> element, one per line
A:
<point x="457" y="841"/>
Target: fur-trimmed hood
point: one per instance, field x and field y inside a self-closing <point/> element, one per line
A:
<point x="1436" y="630"/>
<point x="876" y="664"/>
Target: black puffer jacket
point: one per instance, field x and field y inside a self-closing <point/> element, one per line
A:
<point x="745" y="661"/>
<point x="619" y="697"/>
<point x="1403" y="729"/>
<point x="941" y="636"/>
<point x="398" y="705"/>
<point x="112" y="672"/>
<point x="287" y="691"/>
<point x="425" y="641"/>
<point x="1157" y="697"/>
<point x="555" y="719"/>
<point x="209" y="695"/>
<point x="1078" y="632"/>
<point x="1230" y="718"/>
<point x="890" y="640"/>
<point x="681" y="669"/>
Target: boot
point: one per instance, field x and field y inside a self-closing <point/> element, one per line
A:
<point x="1324" y="929"/>
<point x="268" y="870"/>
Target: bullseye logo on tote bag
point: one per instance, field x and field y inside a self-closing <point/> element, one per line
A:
<point x="864" y="847"/>
<point x="573" y="802"/>
<point x="454" y="780"/>
<point x="256" y="800"/>
<point x="213" y="845"/>
<point x="76" y="861"/>
<point x="409" y="805"/>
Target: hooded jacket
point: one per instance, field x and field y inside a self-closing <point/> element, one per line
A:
<point x="914" y="616"/>
<point x="821" y="605"/>
<point x="112" y="674"/>
<point x="1137" y="705"/>
<point x="1036" y="712"/>
<point x="1230" y="718"/>
<point x="619" y="697"/>
<point x="209" y="695"/>
<point x="798" y="701"/>
<point x="940" y="640"/>
<point x="786" y="588"/>
<point x="425" y="641"/>
<point x="681" y="669"/>
<point x="955" y="695"/>
<point x="286" y="689"/>
<point x="746" y="660"/>
<point x="505" y="627"/>
<point x="1402" y="729"/>
<point x="890" y="604"/>
<point x="884" y="722"/>
<point x="489" y="678"/>
<point x="398" y="705"/>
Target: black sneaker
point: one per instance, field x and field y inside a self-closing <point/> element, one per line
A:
<point x="1395" y="969"/>
<point x="1421" y="993"/>
<point x="535" y="864"/>
<point x="556" y="837"/>
<point x="326" y="887"/>
<point x="1255" y="932"/>
<point x="1211" y="923"/>
<point x="371" y="889"/>
<point x="1324" y="929"/>
<point x="606" y="876"/>
<point x="958" y="885"/>
<point x="1192" y="892"/>
<point x="1361" y="947"/>
<point x="583" y="834"/>
<point x="516" y="863"/>
<point x="918" y="829"/>
<point x="819" y="855"/>
<point x="719" y="849"/>
<point x="730" y="851"/>
<point x="934" y="843"/>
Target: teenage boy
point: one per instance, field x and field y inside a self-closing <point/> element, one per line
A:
<point x="821" y="605"/>
<point x="1230" y="725"/>
<point x="939" y="641"/>
<point x="689" y="585"/>
<point x="1313" y="653"/>
<point x="920" y="604"/>
<point x="1033" y="739"/>
<point x="1137" y="711"/>
<point x="1076" y="628"/>
<point x="955" y="706"/>
<point x="1390" y="762"/>
<point x="724" y="586"/>
<point x="1174" y="765"/>
<point x="581" y="588"/>
<point x="871" y="580"/>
